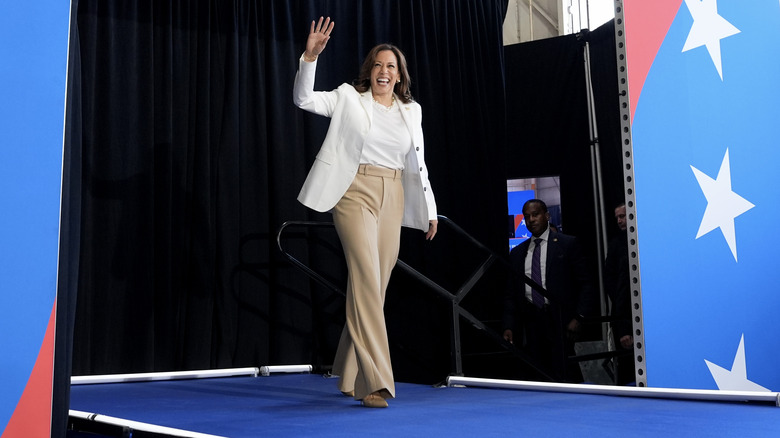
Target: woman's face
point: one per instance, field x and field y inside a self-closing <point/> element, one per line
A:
<point x="384" y="74"/>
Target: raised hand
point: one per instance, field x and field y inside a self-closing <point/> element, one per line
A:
<point x="318" y="38"/>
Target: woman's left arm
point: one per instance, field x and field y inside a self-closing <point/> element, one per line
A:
<point x="430" y="201"/>
<point x="433" y="226"/>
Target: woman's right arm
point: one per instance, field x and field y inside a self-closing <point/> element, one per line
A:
<point x="304" y="96"/>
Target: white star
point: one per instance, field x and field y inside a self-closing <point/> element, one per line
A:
<point x="723" y="205"/>
<point x="708" y="29"/>
<point x="735" y="379"/>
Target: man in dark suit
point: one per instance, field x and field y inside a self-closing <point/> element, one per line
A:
<point x="551" y="317"/>
<point x="617" y="285"/>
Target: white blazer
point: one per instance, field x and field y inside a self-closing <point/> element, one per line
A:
<point x="337" y="162"/>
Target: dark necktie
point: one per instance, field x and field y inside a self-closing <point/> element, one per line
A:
<point x="536" y="273"/>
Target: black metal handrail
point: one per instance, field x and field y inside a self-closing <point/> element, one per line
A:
<point x="300" y="265"/>
<point x="455" y="298"/>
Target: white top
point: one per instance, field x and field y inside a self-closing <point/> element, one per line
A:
<point x="337" y="161"/>
<point x="388" y="140"/>
<point x="542" y="262"/>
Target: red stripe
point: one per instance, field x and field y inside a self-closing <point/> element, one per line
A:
<point x="32" y="417"/>
<point x="646" y="26"/>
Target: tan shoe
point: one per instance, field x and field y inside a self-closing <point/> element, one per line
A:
<point x="374" y="400"/>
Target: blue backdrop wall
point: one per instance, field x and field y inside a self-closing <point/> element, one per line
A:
<point x="705" y="160"/>
<point x="33" y="58"/>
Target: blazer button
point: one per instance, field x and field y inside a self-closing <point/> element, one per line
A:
<point x="425" y="189"/>
<point x="421" y="169"/>
<point x="417" y="148"/>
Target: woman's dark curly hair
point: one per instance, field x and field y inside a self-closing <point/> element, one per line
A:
<point x="363" y="82"/>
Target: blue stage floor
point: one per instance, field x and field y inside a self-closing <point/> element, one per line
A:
<point x="309" y="405"/>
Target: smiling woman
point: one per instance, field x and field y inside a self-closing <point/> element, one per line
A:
<point x="385" y="73"/>
<point x="384" y="76"/>
<point x="191" y="156"/>
<point x="371" y="174"/>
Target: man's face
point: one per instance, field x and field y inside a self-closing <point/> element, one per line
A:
<point x="620" y="216"/>
<point x="536" y="218"/>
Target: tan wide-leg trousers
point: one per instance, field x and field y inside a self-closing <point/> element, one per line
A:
<point x="368" y="222"/>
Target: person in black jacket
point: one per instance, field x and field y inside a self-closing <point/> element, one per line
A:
<point x="551" y="319"/>
<point x="617" y="285"/>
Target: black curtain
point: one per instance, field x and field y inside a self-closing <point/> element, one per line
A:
<point x="549" y="132"/>
<point x="604" y="71"/>
<point x="184" y="155"/>
<point x="70" y="229"/>
<point x="187" y="155"/>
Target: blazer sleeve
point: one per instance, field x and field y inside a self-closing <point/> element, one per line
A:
<point x="430" y="200"/>
<point x="419" y="201"/>
<point x="304" y="96"/>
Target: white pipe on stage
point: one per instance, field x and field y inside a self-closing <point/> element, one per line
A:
<point x="174" y="375"/>
<point x="135" y="425"/>
<point x="629" y="391"/>
<point x="267" y="370"/>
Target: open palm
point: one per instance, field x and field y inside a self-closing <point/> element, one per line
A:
<point x="319" y="35"/>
